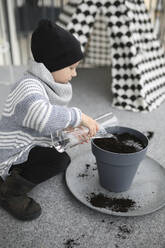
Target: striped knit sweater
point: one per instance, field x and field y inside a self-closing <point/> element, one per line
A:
<point x="35" y="109"/>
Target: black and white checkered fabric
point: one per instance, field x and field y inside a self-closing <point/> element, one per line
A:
<point x="130" y="45"/>
<point x="97" y="51"/>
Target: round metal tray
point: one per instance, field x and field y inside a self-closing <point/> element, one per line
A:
<point x="147" y="190"/>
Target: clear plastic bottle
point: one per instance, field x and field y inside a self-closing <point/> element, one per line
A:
<point x="67" y="139"/>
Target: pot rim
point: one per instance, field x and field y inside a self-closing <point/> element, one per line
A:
<point x="123" y="154"/>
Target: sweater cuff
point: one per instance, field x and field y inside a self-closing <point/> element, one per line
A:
<point x="75" y="117"/>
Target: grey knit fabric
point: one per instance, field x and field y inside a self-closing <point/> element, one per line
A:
<point x="35" y="109"/>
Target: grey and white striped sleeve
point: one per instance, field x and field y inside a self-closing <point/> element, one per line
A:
<point x="36" y="112"/>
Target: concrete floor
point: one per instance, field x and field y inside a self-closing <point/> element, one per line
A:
<point x="65" y="222"/>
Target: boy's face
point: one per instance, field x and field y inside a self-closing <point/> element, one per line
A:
<point x="66" y="74"/>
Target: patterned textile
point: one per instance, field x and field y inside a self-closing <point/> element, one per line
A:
<point x="97" y="51"/>
<point x="127" y="41"/>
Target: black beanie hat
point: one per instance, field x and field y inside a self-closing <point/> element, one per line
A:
<point x="54" y="46"/>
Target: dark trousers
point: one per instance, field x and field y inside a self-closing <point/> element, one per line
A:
<point x="42" y="164"/>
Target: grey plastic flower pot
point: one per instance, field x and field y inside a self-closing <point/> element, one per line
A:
<point x="117" y="170"/>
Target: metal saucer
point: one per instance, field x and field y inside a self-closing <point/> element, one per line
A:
<point x="147" y="189"/>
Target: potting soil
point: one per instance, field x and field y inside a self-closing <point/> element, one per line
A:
<point x="120" y="143"/>
<point x="115" y="204"/>
<point x="71" y="243"/>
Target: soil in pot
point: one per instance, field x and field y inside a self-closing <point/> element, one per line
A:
<point x="120" y="143"/>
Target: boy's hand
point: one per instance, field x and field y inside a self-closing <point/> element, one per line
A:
<point x="91" y="124"/>
<point x="69" y="129"/>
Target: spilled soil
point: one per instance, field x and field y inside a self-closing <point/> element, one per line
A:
<point x="114" y="204"/>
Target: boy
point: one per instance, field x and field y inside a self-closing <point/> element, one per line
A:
<point x="34" y="111"/>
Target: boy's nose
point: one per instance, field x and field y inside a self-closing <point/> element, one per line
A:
<point x="74" y="74"/>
